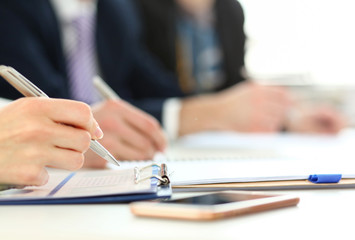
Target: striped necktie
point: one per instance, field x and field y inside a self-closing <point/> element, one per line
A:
<point x="81" y="59"/>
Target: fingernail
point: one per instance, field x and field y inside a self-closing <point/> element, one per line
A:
<point x="99" y="133"/>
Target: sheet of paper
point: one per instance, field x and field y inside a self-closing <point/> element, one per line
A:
<point x="87" y="183"/>
<point x="225" y="156"/>
<point x="241" y="170"/>
<point x="103" y="182"/>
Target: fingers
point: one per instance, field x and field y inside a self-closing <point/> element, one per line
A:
<point x="147" y="125"/>
<point x="125" y="151"/>
<point x="276" y="95"/>
<point x="328" y="121"/>
<point x="73" y="113"/>
<point x="266" y="125"/>
<point x="25" y="174"/>
<point x="55" y="133"/>
<point x="64" y="159"/>
<point x="270" y="109"/>
<point x="124" y="132"/>
<point x="33" y="172"/>
<point x="265" y="122"/>
<point x="250" y="107"/>
<point x="67" y="137"/>
<point x="317" y="120"/>
<point x="131" y="125"/>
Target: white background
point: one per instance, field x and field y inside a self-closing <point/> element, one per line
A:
<point x="309" y="39"/>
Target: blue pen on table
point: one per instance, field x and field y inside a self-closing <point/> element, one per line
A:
<point x="28" y="89"/>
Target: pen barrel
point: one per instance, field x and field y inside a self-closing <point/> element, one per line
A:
<point x="102" y="152"/>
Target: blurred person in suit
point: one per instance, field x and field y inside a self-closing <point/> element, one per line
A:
<point x="203" y="43"/>
<point x="38" y="41"/>
<point x="60" y="45"/>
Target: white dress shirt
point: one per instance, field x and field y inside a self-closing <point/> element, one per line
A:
<point x="67" y="11"/>
<point x="170" y="117"/>
<point x="4" y="102"/>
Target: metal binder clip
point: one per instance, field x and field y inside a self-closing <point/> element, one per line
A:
<point x="162" y="177"/>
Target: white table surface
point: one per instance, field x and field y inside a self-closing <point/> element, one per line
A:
<point x="325" y="213"/>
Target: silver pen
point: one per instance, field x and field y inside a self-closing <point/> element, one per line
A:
<point x="28" y="89"/>
<point x="105" y="90"/>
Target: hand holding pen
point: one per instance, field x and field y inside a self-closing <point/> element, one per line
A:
<point x="129" y="132"/>
<point x="32" y="138"/>
<point x="28" y="89"/>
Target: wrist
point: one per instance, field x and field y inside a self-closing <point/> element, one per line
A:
<point x="198" y="114"/>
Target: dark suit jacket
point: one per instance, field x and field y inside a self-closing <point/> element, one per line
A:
<point x="159" y="34"/>
<point x="31" y="43"/>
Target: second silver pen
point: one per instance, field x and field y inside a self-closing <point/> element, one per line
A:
<point x="105" y="91"/>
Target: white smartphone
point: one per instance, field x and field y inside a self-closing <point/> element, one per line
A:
<point x="213" y="206"/>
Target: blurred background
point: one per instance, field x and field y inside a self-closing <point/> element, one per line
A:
<point x="304" y="42"/>
<point x="313" y="39"/>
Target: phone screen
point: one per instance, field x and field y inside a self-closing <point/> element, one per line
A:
<point x="209" y="199"/>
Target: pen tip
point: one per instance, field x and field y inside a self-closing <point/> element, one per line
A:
<point x="113" y="160"/>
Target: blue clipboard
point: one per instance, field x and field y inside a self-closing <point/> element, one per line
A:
<point x="150" y="182"/>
